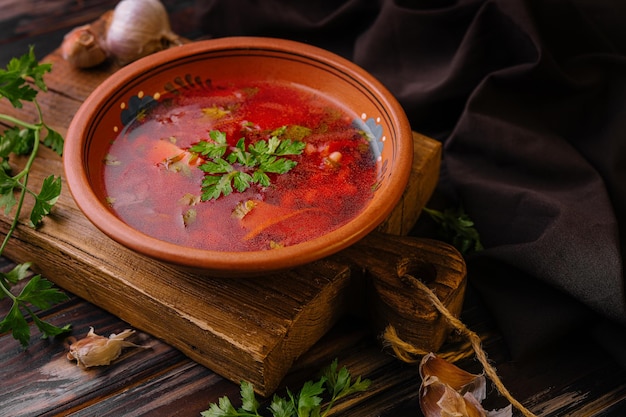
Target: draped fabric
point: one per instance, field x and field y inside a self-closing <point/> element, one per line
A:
<point x="528" y="98"/>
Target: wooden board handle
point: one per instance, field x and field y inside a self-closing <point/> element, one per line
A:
<point x="382" y="260"/>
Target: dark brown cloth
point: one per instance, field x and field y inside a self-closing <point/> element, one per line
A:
<point x="529" y="99"/>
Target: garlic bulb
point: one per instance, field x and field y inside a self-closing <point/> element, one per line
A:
<point x="139" y="28"/>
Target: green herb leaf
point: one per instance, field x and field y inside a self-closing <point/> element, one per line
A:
<point x="288" y="147"/>
<point x="39" y="293"/>
<point x="16" y="140"/>
<point x="309" y="398"/>
<point x="272" y="144"/>
<point x="241" y="181"/>
<point x="14" y="80"/>
<point x="54" y="140"/>
<point x="250" y="402"/>
<point x="276" y="165"/>
<point x="457" y="228"/>
<point x="15" y="323"/>
<point x="243" y="167"/>
<point x="214" y="186"/>
<point x="223" y="409"/>
<point x="281" y="407"/>
<point x="212" y="149"/>
<point x="259" y="148"/>
<point x="47" y="197"/>
<point x="18" y="273"/>
<point x="217" y="166"/>
<point x="7" y="197"/>
<point x="240" y="156"/>
<point x="261" y="178"/>
<point x="49" y="330"/>
<point x="340" y="383"/>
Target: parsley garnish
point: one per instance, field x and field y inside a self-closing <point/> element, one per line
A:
<point x="20" y="82"/>
<point x="230" y="168"/>
<point x="308" y="402"/>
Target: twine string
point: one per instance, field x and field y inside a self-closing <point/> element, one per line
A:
<point x="406" y="352"/>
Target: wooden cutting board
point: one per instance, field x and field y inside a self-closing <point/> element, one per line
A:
<point x="253" y="328"/>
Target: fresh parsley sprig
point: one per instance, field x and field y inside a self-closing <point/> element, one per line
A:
<point x="308" y="402"/>
<point x="237" y="168"/>
<point x="457" y="227"/>
<point x="23" y="138"/>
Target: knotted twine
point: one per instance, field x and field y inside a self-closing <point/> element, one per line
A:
<point x="408" y="353"/>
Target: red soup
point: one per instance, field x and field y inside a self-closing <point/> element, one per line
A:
<point x="240" y="167"/>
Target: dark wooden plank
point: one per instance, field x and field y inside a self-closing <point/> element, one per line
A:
<point x="179" y="391"/>
<point x="615" y="410"/>
<point x="41" y="380"/>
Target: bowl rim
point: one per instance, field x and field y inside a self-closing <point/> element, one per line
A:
<point x="224" y="263"/>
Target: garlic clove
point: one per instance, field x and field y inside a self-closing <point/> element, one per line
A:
<point x="82" y="49"/>
<point x="96" y="350"/>
<point x="84" y="46"/>
<point x="448" y="390"/>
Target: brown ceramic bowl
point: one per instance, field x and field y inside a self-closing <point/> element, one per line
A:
<point x="183" y="67"/>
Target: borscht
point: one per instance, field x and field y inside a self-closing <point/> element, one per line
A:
<point x="240" y="166"/>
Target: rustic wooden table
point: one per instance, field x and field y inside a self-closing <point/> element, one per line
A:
<point x="574" y="377"/>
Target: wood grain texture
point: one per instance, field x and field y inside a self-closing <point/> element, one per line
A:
<point x="573" y="377"/>
<point x="393" y="302"/>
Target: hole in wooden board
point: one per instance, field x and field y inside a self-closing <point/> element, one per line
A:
<point x="419" y="269"/>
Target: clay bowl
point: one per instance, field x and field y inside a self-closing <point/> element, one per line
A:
<point x="107" y="109"/>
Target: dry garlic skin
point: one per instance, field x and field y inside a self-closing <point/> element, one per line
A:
<point x="96" y="350"/>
